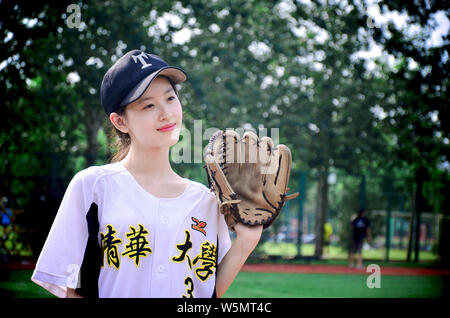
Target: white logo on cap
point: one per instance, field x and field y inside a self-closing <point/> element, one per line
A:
<point x="141" y="57"/>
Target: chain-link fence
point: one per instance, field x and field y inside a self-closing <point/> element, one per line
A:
<point x="29" y="204"/>
<point x="389" y="204"/>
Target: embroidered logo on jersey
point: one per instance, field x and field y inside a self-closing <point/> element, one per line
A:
<point x="138" y="244"/>
<point x="199" y="226"/>
<point x="109" y="246"/>
<point x="207" y="260"/>
<point x="184" y="248"/>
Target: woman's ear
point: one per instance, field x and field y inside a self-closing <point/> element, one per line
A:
<point x="119" y="122"/>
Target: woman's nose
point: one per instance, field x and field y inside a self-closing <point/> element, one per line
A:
<point x="165" y="112"/>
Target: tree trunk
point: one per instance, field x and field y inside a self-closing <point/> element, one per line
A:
<point x="321" y="213"/>
<point x="109" y="141"/>
<point x="92" y="122"/>
<point x="420" y="174"/>
<point x="411" y="225"/>
<point x="444" y="241"/>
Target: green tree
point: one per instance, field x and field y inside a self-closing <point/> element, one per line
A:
<point x="338" y="132"/>
<point x="418" y="107"/>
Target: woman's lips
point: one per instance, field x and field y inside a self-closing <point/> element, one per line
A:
<point x="167" y="128"/>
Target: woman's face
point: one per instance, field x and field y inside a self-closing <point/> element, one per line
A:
<point x="157" y="107"/>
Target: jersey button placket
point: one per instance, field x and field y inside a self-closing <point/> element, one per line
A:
<point x="159" y="268"/>
<point x="164" y="221"/>
<point x="156" y="257"/>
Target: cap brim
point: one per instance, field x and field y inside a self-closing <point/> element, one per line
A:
<point x="177" y="75"/>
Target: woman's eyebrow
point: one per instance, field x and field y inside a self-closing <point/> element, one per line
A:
<point x="150" y="97"/>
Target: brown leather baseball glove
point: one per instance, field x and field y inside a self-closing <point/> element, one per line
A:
<point x="248" y="176"/>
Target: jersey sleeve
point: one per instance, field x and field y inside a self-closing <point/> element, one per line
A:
<point x="62" y="255"/>
<point x="224" y="241"/>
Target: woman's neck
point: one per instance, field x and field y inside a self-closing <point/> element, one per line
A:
<point x="152" y="163"/>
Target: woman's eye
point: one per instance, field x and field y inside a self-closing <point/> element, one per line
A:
<point x="171" y="98"/>
<point x="148" y="106"/>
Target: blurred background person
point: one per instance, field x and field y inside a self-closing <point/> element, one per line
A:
<point x="360" y="226"/>
<point x="327" y="232"/>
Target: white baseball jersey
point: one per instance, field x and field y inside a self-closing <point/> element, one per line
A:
<point x="112" y="238"/>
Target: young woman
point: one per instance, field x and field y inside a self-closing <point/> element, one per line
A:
<point x="134" y="227"/>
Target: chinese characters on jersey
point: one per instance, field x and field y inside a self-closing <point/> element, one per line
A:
<point x="202" y="265"/>
<point x="137" y="246"/>
<point x="205" y="261"/>
<point x="109" y="247"/>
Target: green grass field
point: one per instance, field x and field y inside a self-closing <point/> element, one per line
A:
<point x="337" y="252"/>
<point x="287" y="285"/>
<point x="17" y="284"/>
<point x="277" y="285"/>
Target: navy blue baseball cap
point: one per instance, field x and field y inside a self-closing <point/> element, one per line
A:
<point x="131" y="75"/>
